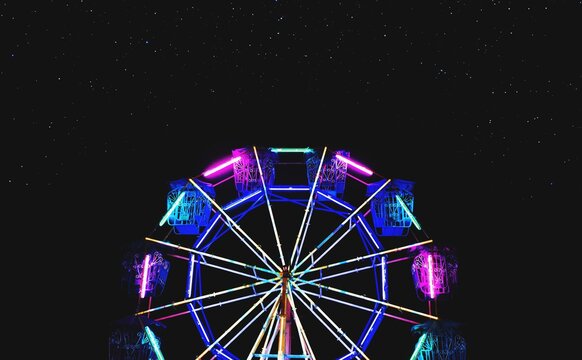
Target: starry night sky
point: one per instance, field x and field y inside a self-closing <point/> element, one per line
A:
<point x="478" y="102"/>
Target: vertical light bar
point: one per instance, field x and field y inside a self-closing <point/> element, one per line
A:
<point x="144" y="276"/>
<point x="190" y="275"/>
<point x="430" y="277"/>
<point x="221" y="166"/>
<point x="362" y="168"/>
<point x="172" y="208"/>
<point x="418" y="347"/>
<point x="408" y="211"/>
<point x="384" y="275"/>
<point x="154" y="342"/>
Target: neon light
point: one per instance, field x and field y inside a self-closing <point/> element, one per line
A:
<point x="288" y="188"/>
<point x="199" y="322"/>
<point x="221" y="166"/>
<point x="362" y="257"/>
<point x="240" y="201"/>
<point x="334" y="200"/>
<point x="190" y="275"/>
<point x="144" y="276"/>
<point x="430" y="277"/>
<point x="269" y="207"/>
<point x="362" y="168"/>
<point x="227" y="331"/>
<point x="172" y="208"/>
<point x="206" y="232"/>
<point x="291" y="150"/>
<point x="370" y="328"/>
<point x="408" y="212"/>
<point x="368" y="232"/>
<point x="383" y="277"/>
<point x="418" y="346"/>
<point x="154" y="343"/>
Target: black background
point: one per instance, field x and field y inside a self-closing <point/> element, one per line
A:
<point x="478" y="102"/>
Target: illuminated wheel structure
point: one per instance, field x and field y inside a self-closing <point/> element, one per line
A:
<point x="293" y="261"/>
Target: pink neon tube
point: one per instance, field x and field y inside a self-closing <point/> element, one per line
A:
<point x="144" y="276"/>
<point x="362" y="168"/>
<point x="221" y="166"/>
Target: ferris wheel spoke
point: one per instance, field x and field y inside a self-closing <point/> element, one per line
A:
<point x="363" y="297"/>
<point x="206" y="296"/>
<point x="269" y="207"/>
<point x="244" y="241"/>
<point x="266" y="325"/>
<point x="308" y="208"/>
<point x="271" y="336"/>
<point x="235" y="336"/>
<point x="342" y="224"/>
<point x="235" y="225"/>
<point x="336" y="329"/>
<point x="227" y="331"/>
<point x="304" y="340"/>
<point x="206" y="263"/>
<point x="300" y="247"/>
<point x="356" y="306"/>
<point x="217" y="257"/>
<point x="356" y="270"/>
<point x="299" y="274"/>
<point x="352" y="226"/>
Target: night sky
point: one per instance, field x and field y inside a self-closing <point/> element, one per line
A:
<point x="478" y="102"/>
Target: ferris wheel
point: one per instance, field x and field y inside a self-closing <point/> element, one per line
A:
<point x="289" y="253"/>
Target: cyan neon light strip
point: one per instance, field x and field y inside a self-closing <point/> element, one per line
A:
<point x="362" y="168"/>
<point x="154" y="343"/>
<point x="221" y="166"/>
<point x="291" y="150"/>
<point x="418" y="347"/>
<point x="408" y="212"/>
<point x="172" y="208"/>
<point x="368" y="232"/>
<point x="144" y="276"/>
<point x="334" y="200"/>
